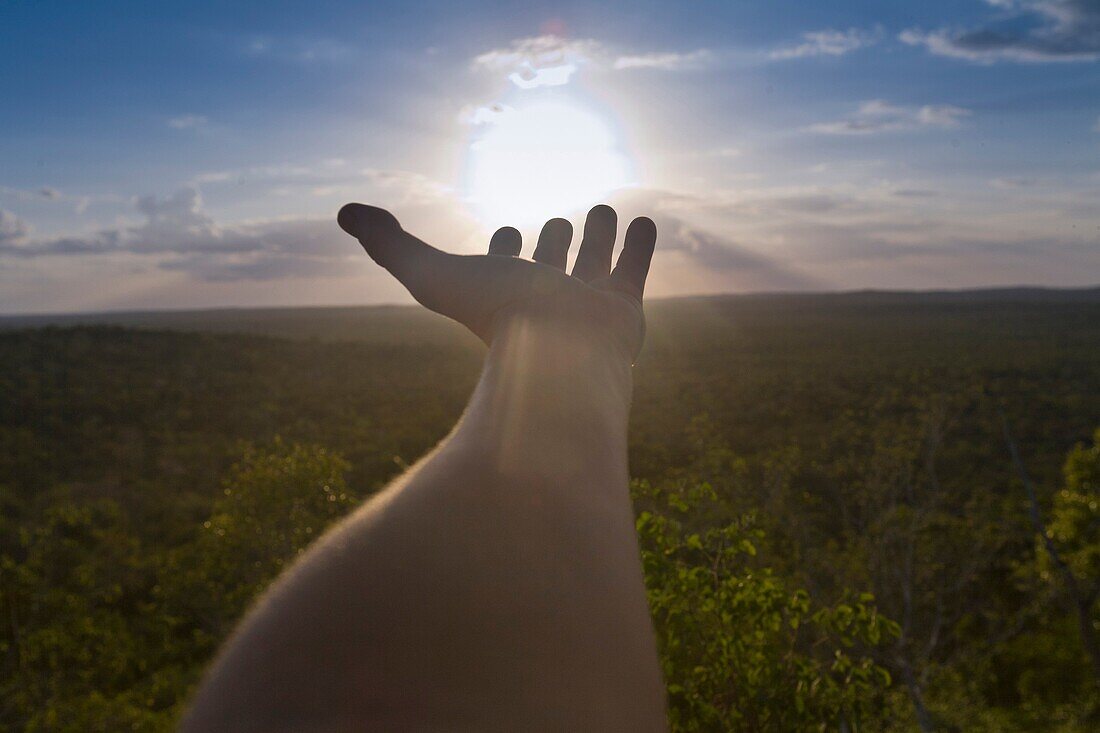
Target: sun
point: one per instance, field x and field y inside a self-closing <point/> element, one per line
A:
<point x="550" y="157"/>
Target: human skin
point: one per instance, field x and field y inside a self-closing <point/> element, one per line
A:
<point x="497" y="584"/>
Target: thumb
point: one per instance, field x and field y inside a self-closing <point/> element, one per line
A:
<point x="467" y="289"/>
<point x="417" y="265"/>
<point x="382" y="237"/>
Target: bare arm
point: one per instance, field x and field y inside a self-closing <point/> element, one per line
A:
<point x="497" y="584"/>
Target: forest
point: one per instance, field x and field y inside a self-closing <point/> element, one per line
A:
<point x="863" y="512"/>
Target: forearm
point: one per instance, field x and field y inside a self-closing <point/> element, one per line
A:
<point x="496" y="585"/>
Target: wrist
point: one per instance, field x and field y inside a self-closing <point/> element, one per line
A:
<point x="546" y="392"/>
<point x="556" y="368"/>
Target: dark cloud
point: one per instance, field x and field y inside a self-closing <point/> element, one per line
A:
<point x="186" y="239"/>
<point x="256" y="266"/>
<point x="894" y="246"/>
<point x="741" y="267"/>
<point x="746" y="269"/>
<point x="1034" y="31"/>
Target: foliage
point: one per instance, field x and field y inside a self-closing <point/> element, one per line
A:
<point x="740" y="650"/>
<point x="81" y="626"/>
<point x="105" y="636"/>
<point x="274" y="503"/>
<point x="860" y="432"/>
<point x="1075" y="517"/>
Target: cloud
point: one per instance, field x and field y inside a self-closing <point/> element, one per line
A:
<point x="828" y="43"/>
<point x="667" y="61"/>
<point x="915" y="193"/>
<point x="12" y="229"/>
<point x="538" y="51"/>
<point x="713" y="255"/>
<point x="856" y="235"/>
<point x="1014" y="182"/>
<point x="49" y="193"/>
<point x="1034" y="31"/>
<point x="35" y="194"/>
<point x="551" y="60"/>
<point x="182" y="237"/>
<point x="489" y="114"/>
<point x="187" y="122"/>
<point x="176" y="234"/>
<point x="750" y="269"/>
<point x="876" y="115"/>
<point x="299" y="50"/>
<point x="546" y="60"/>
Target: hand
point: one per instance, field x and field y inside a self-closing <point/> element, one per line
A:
<point x="486" y="292"/>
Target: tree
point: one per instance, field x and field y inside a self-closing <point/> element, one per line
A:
<point x="274" y="503"/>
<point x="740" y="649"/>
<point x="79" y="635"/>
<point x="1068" y="548"/>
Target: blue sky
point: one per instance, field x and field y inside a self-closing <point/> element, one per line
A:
<point x="156" y="155"/>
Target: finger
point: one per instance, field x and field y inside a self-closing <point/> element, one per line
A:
<point x="462" y="288"/>
<point x="594" y="258"/>
<point x="553" y="246"/>
<point x="416" y="264"/>
<point x="633" y="265"/>
<point x="507" y="242"/>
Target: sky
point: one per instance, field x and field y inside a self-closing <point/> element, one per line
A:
<point x="193" y="155"/>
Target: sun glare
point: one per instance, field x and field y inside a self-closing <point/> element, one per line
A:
<point x="547" y="158"/>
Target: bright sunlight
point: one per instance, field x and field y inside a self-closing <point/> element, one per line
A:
<point x="547" y="158"/>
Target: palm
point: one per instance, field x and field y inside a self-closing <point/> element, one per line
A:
<point x="479" y="290"/>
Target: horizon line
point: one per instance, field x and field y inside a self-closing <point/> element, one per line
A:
<point x="699" y="296"/>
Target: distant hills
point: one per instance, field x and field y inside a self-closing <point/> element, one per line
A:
<point x="402" y="323"/>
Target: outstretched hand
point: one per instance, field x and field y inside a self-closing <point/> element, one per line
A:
<point x="483" y="292"/>
<point x="496" y="585"/>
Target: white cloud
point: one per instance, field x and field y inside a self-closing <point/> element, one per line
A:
<point x="552" y="76"/>
<point x="1035" y="31"/>
<point x="301" y="50"/>
<point x="483" y="115"/>
<point x="941" y="115"/>
<point x="539" y="51"/>
<point x="12" y="228"/>
<point x="828" y="43"/>
<point x="551" y="60"/>
<point x="877" y="115"/>
<point x="539" y="61"/>
<point x="666" y="61"/>
<point x="187" y="122"/>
